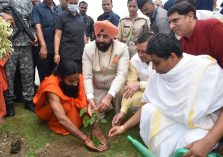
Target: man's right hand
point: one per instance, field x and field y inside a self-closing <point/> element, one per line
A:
<point x="43" y="52"/>
<point x="91" y="145"/>
<point x="116" y="131"/>
<point x="118" y="119"/>
<point x="57" y="58"/>
<point x="92" y="106"/>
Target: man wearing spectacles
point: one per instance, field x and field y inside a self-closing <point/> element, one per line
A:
<point x="138" y="74"/>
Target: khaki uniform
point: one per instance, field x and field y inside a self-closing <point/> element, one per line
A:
<point x="130" y="29"/>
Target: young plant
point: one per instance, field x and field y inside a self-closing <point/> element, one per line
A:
<point x="5" y="44"/>
<point x="88" y="120"/>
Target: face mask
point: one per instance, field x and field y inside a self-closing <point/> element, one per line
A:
<point x="72" y="7"/>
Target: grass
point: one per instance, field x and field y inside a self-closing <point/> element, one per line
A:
<point x="37" y="134"/>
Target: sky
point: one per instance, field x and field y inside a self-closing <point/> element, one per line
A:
<point x="119" y="7"/>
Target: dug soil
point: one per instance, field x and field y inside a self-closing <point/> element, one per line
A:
<point x="69" y="147"/>
<point x="63" y="148"/>
<point x="12" y="145"/>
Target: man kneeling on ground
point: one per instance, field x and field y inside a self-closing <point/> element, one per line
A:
<point x="59" y="100"/>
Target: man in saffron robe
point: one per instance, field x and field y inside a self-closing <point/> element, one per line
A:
<point x="59" y="100"/>
<point x="3" y="87"/>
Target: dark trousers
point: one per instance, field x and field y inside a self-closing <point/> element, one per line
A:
<point x="22" y="58"/>
<point x="46" y="66"/>
<point x="35" y="50"/>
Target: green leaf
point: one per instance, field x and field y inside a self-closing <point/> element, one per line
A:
<point x="92" y="121"/>
<point x="86" y="121"/>
<point x="95" y="141"/>
<point x="103" y="121"/>
<point x="82" y="112"/>
<point x="94" y="113"/>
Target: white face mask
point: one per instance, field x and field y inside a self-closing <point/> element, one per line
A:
<point x="72" y="7"/>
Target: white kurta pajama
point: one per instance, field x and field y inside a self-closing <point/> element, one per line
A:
<point x="104" y="72"/>
<point x="182" y="104"/>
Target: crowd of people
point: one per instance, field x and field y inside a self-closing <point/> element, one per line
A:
<point x="166" y="69"/>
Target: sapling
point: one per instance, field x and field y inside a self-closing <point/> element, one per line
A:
<point x="5" y="43"/>
<point x="95" y="119"/>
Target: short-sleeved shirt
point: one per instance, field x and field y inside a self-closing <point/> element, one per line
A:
<point x="46" y="16"/>
<point x="111" y="16"/>
<point x="72" y="39"/>
<point x="206" y="38"/>
<point x="130" y="29"/>
<point x="159" y="21"/>
<point x="88" y="25"/>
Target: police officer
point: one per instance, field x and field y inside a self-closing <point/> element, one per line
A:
<point x="131" y="27"/>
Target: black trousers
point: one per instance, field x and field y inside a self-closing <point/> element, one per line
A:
<point x="46" y="66"/>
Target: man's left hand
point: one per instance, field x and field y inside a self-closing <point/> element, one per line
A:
<point x="130" y="89"/>
<point x="105" y="103"/>
<point x="199" y="148"/>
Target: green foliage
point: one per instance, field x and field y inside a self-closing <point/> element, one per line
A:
<point x="95" y="141"/>
<point x="103" y="121"/>
<point x="82" y="112"/>
<point x="86" y="121"/>
<point x="90" y="120"/>
<point x="5" y="44"/>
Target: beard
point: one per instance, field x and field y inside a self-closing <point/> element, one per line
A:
<point x="70" y="91"/>
<point x="103" y="46"/>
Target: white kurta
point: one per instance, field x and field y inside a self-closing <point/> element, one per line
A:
<point x="104" y="72"/>
<point x="182" y="104"/>
<point x="143" y="69"/>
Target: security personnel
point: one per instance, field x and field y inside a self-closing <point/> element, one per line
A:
<point x="131" y="27"/>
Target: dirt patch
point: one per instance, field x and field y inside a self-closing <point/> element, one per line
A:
<point x="66" y="147"/>
<point x="12" y="145"/>
<point x="70" y="147"/>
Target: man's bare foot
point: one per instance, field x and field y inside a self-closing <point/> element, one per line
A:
<point x="96" y="132"/>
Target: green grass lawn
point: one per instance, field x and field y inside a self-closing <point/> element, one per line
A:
<point x="36" y="134"/>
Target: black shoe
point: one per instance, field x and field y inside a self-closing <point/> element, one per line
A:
<point x="29" y="105"/>
<point x="10" y="110"/>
